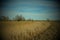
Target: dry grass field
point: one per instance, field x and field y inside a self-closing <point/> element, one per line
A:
<point x="29" y="30"/>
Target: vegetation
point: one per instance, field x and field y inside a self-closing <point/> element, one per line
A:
<point x="30" y="20"/>
<point x="16" y="18"/>
<point x="19" y="18"/>
<point x="28" y="30"/>
<point x="4" y="18"/>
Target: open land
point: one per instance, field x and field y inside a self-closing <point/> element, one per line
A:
<point x="29" y="30"/>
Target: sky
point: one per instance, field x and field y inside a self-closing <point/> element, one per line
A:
<point x="31" y="9"/>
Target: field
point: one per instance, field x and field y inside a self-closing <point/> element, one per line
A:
<point x="29" y="30"/>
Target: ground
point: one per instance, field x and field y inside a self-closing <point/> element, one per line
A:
<point x="29" y="30"/>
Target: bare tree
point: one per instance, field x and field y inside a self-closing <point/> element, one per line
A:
<point x="19" y="18"/>
<point x="4" y="18"/>
<point x="48" y="19"/>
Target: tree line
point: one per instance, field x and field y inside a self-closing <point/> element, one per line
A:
<point x="16" y="18"/>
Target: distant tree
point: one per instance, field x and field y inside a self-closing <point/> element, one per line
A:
<point x="30" y="20"/>
<point x="19" y="18"/>
<point x="4" y="18"/>
<point x="48" y="19"/>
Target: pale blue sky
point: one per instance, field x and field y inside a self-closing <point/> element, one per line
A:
<point x="34" y="9"/>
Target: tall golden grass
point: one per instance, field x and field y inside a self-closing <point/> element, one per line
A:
<point x="29" y="30"/>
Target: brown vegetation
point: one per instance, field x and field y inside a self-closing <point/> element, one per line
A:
<point x="29" y="30"/>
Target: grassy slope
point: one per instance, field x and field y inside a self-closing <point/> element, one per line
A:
<point x="28" y="30"/>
